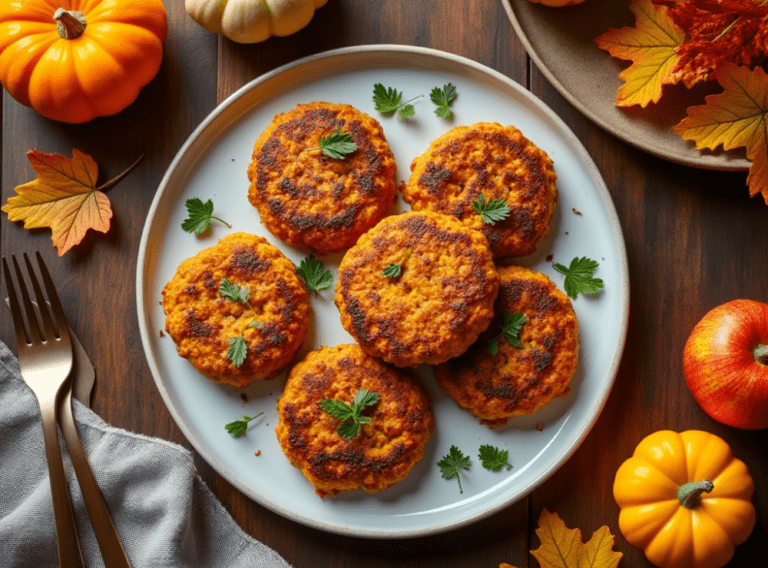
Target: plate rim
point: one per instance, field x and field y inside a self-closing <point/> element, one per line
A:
<point x="739" y="165"/>
<point x="143" y="263"/>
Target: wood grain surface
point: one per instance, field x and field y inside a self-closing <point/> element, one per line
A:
<point x="694" y="240"/>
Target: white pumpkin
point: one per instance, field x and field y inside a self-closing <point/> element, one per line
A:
<point x="251" y="21"/>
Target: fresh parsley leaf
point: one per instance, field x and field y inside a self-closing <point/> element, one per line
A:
<point x="237" y="350"/>
<point x="388" y="101"/>
<point x="311" y="270"/>
<point x="493" y="458"/>
<point x="234" y="292"/>
<point x="337" y="145"/>
<point x="394" y="270"/>
<point x="200" y="215"/>
<point x="578" y="277"/>
<point x="238" y="427"/>
<point x="443" y="98"/>
<point x="510" y="329"/>
<point x="350" y="415"/>
<point x="452" y="464"/>
<point x="492" y="211"/>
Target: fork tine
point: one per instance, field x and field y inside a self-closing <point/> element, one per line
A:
<point x="22" y="336"/>
<point x="46" y="331"/>
<point x="53" y="298"/>
<point x="55" y="324"/>
<point x="33" y="326"/>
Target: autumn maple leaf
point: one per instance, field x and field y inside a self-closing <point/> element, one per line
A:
<point x="652" y="46"/>
<point x="734" y="118"/>
<point x="562" y="547"/>
<point x="719" y="32"/>
<point x="64" y="197"/>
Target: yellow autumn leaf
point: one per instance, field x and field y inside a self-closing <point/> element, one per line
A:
<point x="64" y="197"/>
<point x="737" y="117"/>
<point x="651" y="45"/>
<point x="562" y="547"/>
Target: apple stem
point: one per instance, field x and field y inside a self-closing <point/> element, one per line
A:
<point x="690" y="493"/>
<point x="761" y="354"/>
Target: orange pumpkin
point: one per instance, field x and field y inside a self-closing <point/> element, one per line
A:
<point x="74" y="60"/>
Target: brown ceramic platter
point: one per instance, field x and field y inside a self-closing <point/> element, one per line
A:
<point x="561" y="43"/>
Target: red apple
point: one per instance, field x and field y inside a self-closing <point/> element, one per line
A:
<point x="725" y="362"/>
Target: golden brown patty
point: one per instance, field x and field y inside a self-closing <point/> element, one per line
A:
<point x="517" y="381"/>
<point x="438" y="305"/>
<point x="308" y="199"/>
<point x="495" y="161"/>
<point x="203" y="322"/>
<point x="384" y="450"/>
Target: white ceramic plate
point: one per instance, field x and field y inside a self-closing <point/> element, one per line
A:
<point x="561" y="41"/>
<point x="212" y="165"/>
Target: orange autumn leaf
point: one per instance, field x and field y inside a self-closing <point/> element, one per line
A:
<point x="719" y="32"/>
<point x="562" y="547"/>
<point x="64" y="197"/>
<point x="651" y="45"/>
<point x="737" y="117"/>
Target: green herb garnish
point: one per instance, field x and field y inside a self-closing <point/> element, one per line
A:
<point x="394" y="270"/>
<point x="200" y="215"/>
<point x="578" y="277"/>
<point x="492" y="211"/>
<point x="311" y="270"/>
<point x="452" y="464"/>
<point x="388" y="101"/>
<point x="350" y="415"/>
<point x="336" y="145"/>
<point x="493" y="458"/>
<point x="239" y="427"/>
<point x="510" y="328"/>
<point x="238" y="349"/>
<point x="443" y="98"/>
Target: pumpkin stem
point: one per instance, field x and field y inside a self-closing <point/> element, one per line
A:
<point x="689" y="494"/>
<point x="761" y="354"/>
<point x="69" y="23"/>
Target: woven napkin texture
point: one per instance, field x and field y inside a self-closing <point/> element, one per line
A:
<point x="164" y="513"/>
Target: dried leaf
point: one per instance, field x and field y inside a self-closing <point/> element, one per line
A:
<point x="734" y="118"/>
<point x="719" y="32"/>
<point x="562" y="547"/>
<point x="64" y="197"/>
<point x="651" y="45"/>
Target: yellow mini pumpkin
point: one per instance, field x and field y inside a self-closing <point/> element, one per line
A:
<point x="249" y="21"/>
<point x="74" y="60"/>
<point x="684" y="499"/>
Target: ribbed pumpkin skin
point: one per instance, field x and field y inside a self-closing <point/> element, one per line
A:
<point x="98" y="73"/>
<point x="251" y="21"/>
<point x="654" y="520"/>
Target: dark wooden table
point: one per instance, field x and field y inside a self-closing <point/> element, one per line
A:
<point x="694" y="240"/>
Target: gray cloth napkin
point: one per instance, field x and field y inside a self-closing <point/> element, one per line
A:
<point x="163" y="512"/>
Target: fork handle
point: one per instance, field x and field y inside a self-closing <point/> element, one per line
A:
<point x="112" y="551"/>
<point x="67" y="542"/>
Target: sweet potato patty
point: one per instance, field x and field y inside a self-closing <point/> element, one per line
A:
<point x="308" y="199"/>
<point x="384" y="450"/>
<point x="438" y="304"/>
<point x="517" y="381"/>
<point x="494" y="161"/>
<point x="203" y="322"/>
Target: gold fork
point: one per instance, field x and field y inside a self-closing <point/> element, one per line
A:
<point x="45" y="360"/>
<point x="111" y="548"/>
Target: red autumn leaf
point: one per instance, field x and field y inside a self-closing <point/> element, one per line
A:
<point x="718" y="32"/>
<point x="734" y="118"/>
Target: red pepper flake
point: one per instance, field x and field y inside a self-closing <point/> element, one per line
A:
<point x="576" y="211"/>
<point x="257" y="453"/>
